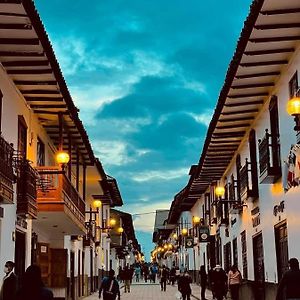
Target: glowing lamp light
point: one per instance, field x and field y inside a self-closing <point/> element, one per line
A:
<point x="62" y="157"/>
<point x="220" y="191"/>
<point x="120" y="230"/>
<point x="166" y="246"/>
<point x="293" y="106"/>
<point x="184" y="231"/>
<point x="112" y="222"/>
<point x="196" y="220"/>
<point x="97" y="203"/>
<point x="175" y="236"/>
<point x="170" y="246"/>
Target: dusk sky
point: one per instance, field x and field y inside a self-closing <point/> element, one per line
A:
<point x="146" y="75"/>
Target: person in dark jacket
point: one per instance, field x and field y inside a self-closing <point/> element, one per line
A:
<point x="163" y="278"/>
<point x="290" y="282"/>
<point x="219" y="282"/>
<point x="203" y="281"/>
<point x="184" y="287"/>
<point x="9" y="286"/>
<point x="32" y="287"/>
<point x="110" y="287"/>
<point x="172" y="275"/>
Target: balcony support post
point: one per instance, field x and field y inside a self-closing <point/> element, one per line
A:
<point x="77" y="170"/>
<point x="84" y="182"/>
<point x="60" y="126"/>
<point x="70" y="161"/>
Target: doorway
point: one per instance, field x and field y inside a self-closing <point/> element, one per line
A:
<point x="281" y="243"/>
<point x="259" y="269"/>
<point x="20" y="250"/>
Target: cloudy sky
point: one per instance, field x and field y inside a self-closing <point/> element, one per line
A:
<point x="146" y="75"/>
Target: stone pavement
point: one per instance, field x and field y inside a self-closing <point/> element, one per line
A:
<point x="150" y="291"/>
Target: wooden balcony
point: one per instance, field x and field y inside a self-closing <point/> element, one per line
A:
<point x="6" y="172"/>
<point x="60" y="207"/>
<point x="26" y="190"/>
<point x="269" y="159"/>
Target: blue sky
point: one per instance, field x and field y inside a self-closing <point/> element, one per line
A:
<point x="146" y="75"/>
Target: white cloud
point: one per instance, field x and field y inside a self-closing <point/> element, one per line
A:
<point x="159" y="175"/>
<point x="203" y="118"/>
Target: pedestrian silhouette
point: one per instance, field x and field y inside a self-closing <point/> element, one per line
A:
<point x="163" y="278"/>
<point x="32" y="286"/>
<point x="219" y="282"/>
<point x="234" y="282"/>
<point x="184" y="286"/>
<point x="9" y="285"/>
<point x="203" y="281"/>
<point x="109" y="287"/>
<point x="289" y="287"/>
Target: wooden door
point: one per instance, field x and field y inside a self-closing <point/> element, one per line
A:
<point x="43" y="260"/>
<point x="20" y="250"/>
<point x="281" y="242"/>
<point x="259" y="269"/>
<point x="58" y="266"/>
<point x="72" y="275"/>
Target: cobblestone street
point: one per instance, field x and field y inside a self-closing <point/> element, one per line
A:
<point x="147" y="291"/>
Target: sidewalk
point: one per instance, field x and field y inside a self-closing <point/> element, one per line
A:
<point x="151" y="291"/>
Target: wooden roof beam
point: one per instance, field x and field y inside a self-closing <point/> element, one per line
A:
<point x="44" y="106"/>
<point x="233" y="126"/>
<point x="245" y="103"/>
<point x="240" y="112"/>
<point x="265" y="63"/>
<point x="225" y="142"/>
<point x="35" y="82"/>
<point x="42" y="99"/>
<point x="252" y="85"/>
<point x="269" y="51"/>
<point x="277" y="26"/>
<point x="253" y="75"/>
<point x="236" y="119"/>
<point x="26" y="63"/>
<point x="248" y="95"/>
<point x="17" y="26"/>
<point x="47" y="112"/>
<point x="46" y="92"/>
<point x="285" y="38"/>
<point x="18" y="41"/>
<point x="29" y="72"/>
<point x="281" y="11"/>
<point x="22" y="53"/>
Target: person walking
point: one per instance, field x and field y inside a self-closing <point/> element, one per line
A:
<point x="9" y="285"/>
<point x="127" y="275"/>
<point x="184" y="286"/>
<point x="137" y="273"/>
<point x="219" y="282"/>
<point x="146" y="272"/>
<point x="163" y="278"/>
<point x="289" y="287"/>
<point x="203" y="281"/>
<point x="110" y="287"/>
<point x="32" y="286"/>
<point x="234" y="282"/>
<point x="172" y="275"/>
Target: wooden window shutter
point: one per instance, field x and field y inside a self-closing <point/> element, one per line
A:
<point x="59" y="259"/>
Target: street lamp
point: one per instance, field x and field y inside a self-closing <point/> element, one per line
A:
<point x="120" y="230"/>
<point x="220" y="191"/>
<point x="112" y="222"/>
<point x="184" y="231"/>
<point x="62" y="158"/>
<point x="293" y="109"/>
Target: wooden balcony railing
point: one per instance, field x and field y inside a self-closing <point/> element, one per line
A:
<point x="269" y="158"/>
<point x="6" y="172"/>
<point x="26" y="190"/>
<point x="55" y="192"/>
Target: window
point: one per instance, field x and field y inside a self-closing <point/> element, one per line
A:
<point x="227" y="257"/>
<point x="40" y="153"/>
<point x="244" y="254"/>
<point x="293" y="85"/>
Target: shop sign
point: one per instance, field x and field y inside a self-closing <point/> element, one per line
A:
<point x="189" y="242"/>
<point x="204" y="234"/>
